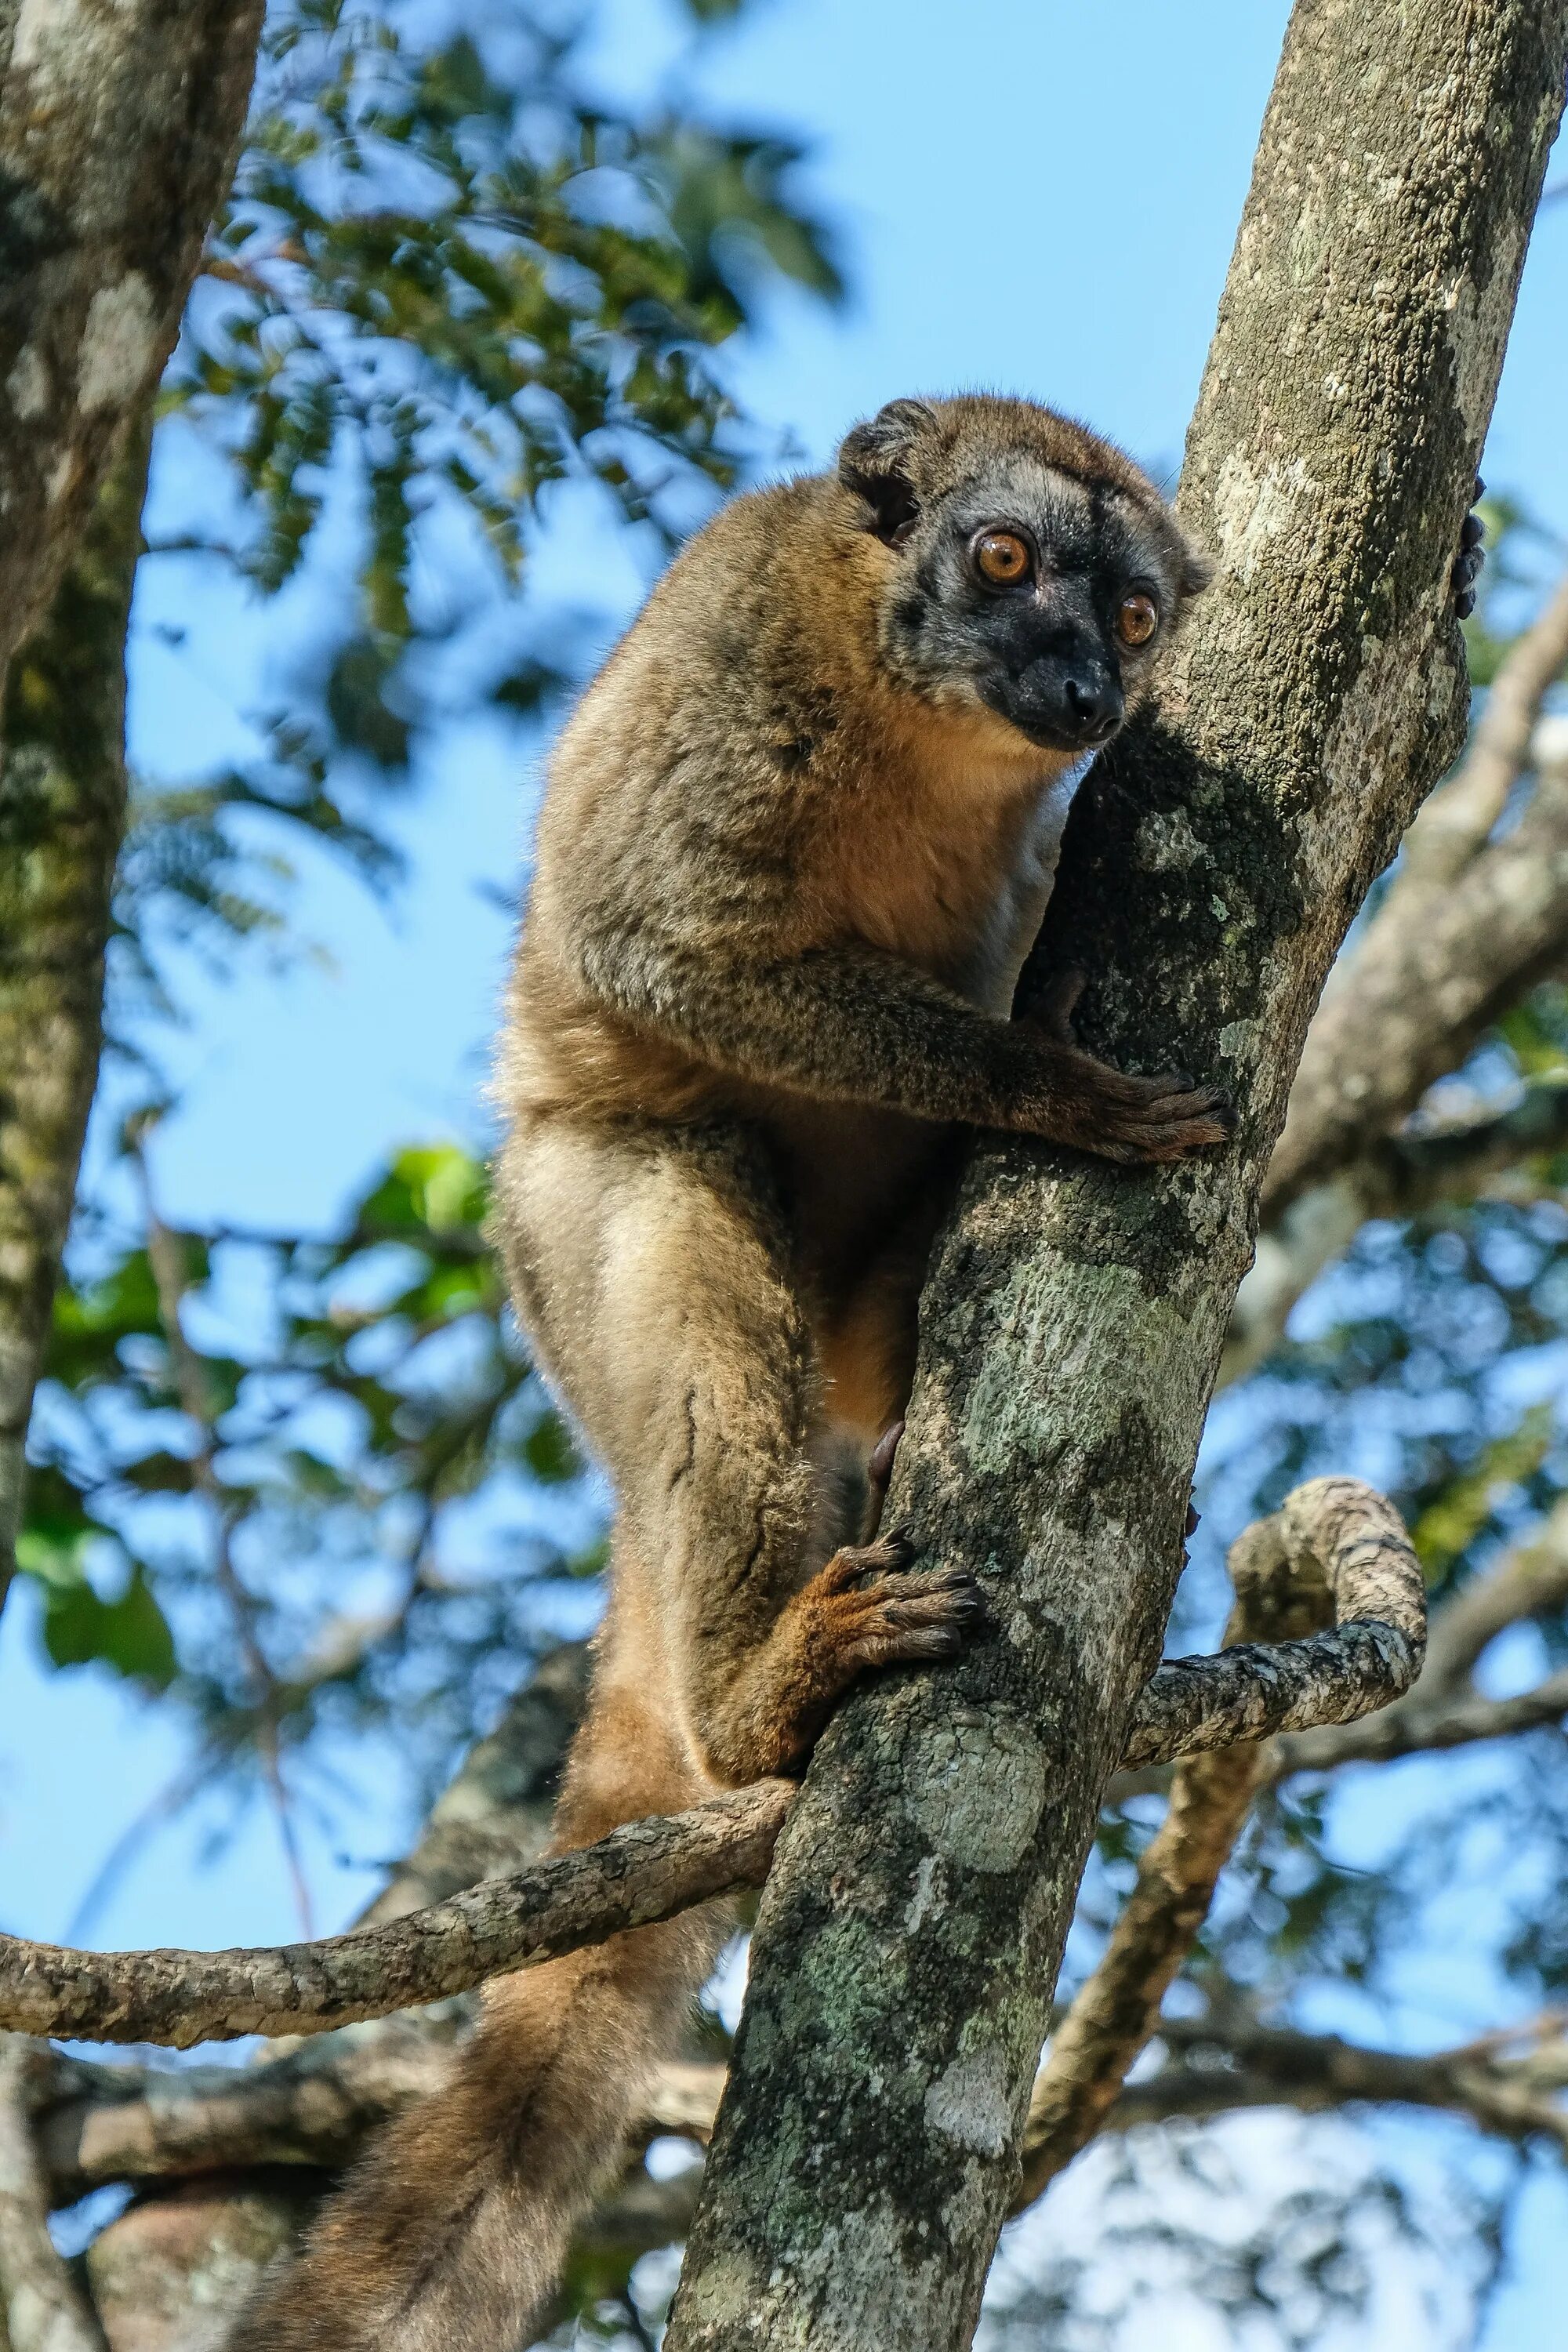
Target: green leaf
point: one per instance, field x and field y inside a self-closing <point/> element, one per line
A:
<point x="437" y="1188"/>
<point x="130" y="1634"/>
<point x="1447" y="1526"/>
<point x="549" y="1452"/>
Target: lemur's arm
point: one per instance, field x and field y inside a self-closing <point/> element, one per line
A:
<point x="851" y="1023"/>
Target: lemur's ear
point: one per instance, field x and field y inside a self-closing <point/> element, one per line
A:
<point x="874" y="463"/>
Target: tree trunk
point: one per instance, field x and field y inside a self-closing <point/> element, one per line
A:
<point x="118" y="133"/>
<point x="908" y="1943"/>
<point x="62" y="811"/>
<point x="119" y="127"/>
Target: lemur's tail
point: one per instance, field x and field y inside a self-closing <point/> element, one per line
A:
<point x="453" y="2230"/>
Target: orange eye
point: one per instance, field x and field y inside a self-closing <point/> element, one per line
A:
<point x="1138" y="619"/>
<point x="1002" y="557"/>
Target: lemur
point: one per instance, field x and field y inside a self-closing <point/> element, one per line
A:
<point x="796" y="842"/>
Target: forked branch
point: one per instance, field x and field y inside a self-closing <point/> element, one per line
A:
<point x="1336" y="1551"/>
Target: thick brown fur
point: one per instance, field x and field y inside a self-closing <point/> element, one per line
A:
<point x="790" y="858"/>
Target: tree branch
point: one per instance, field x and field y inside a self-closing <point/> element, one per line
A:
<point x="1414" y="1729"/>
<point x="41" y="2309"/>
<point x="1438" y="965"/>
<point x="1454" y="824"/>
<point x="1218" y="2070"/>
<point x="119" y="129"/>
<point x="1347" y="1539"/>
<point x="1117" y="2008"/>
<point x="62" y="810"/>
<point x="1528" y="1579"/>
<point x="1442" y="1710"/>
<point x="118" y="133"/>
<point x="1335" y="1549"/>
<point x="229" y="2163"/>
<point x="1399" y="1175"/>
<point x="310" y="2106"/>
<point x="1462" y="931"/>
<point x="645" y="1872"/>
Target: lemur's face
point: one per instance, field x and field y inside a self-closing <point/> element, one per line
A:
<point x="1042" y="594"/>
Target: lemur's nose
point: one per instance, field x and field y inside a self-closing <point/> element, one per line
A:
<point x="1093" y="701"/>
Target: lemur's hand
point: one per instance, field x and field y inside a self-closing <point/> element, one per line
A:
<point x="1472" y="554"/>
<point x="1069" y="1098"/>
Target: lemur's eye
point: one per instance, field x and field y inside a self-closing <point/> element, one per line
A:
<point x="1002" y="557"/>
<point x="1137" y="620"/>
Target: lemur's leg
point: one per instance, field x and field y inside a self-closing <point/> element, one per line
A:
<point x="657" y="1275"/>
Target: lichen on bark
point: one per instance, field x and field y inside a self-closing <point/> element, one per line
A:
<point x="908" y="1943"/>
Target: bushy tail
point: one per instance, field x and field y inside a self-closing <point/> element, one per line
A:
<point x="453" y="2230"/>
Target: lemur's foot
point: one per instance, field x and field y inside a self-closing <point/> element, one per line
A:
<point x="881" y="1611"/>
<point x="867" y="1607"/>
<point x="1472" y="554"/>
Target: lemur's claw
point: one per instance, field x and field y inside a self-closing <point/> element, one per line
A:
<point x="1471" y="556"/>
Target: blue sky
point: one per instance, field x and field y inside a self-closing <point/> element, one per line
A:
<point x="1031" y="197"/>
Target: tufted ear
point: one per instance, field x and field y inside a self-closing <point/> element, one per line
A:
<point x="874" y="462"/>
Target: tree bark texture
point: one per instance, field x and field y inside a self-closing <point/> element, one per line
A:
<point x="908" y="1943"/>
<point x="62" y="811"/>
<point x="119" y="128"/>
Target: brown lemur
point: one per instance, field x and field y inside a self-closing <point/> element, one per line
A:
<point x="797" y="840"/>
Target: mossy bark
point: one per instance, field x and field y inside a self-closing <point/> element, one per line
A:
<point x="908" y="1944"/>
